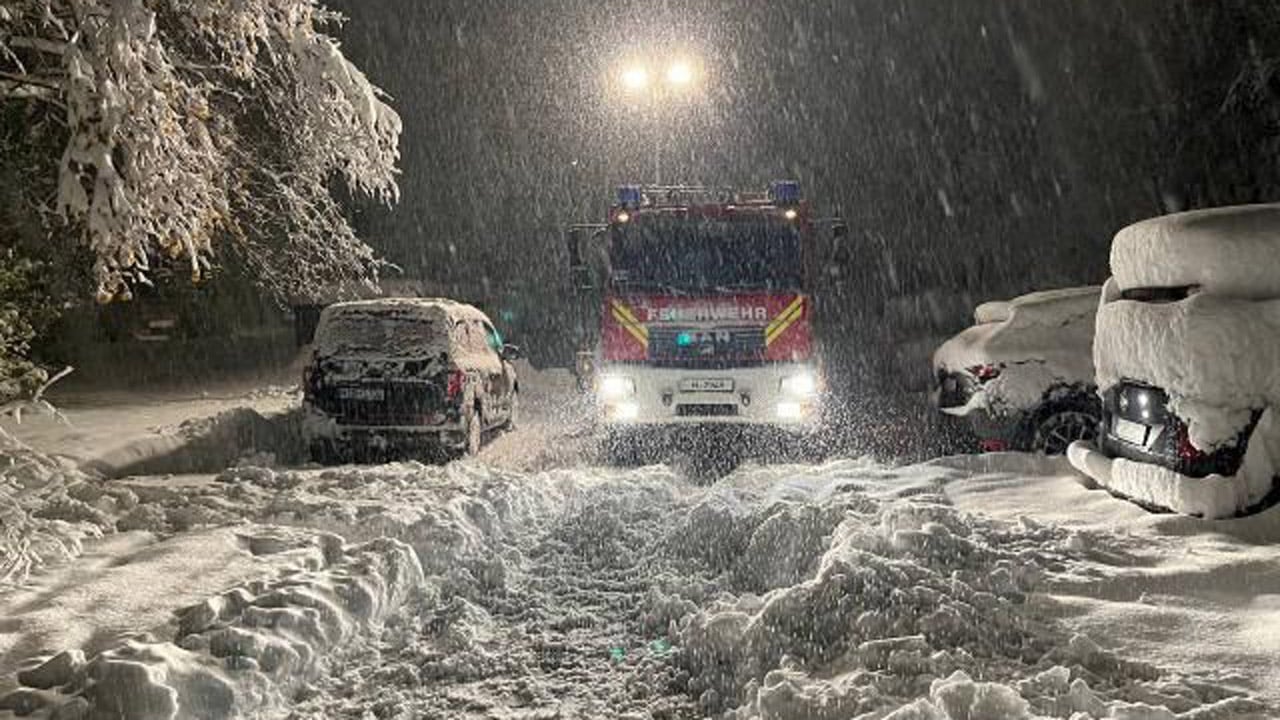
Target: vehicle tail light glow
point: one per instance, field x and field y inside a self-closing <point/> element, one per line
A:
<point x="456" y="384"/>
<point x="985" y="373"/>
<point x="1187" y="451"/>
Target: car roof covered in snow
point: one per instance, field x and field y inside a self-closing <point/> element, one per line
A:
<point x="437" y="308"/>
<point x="1071" y="300"/>
<point x="1230" y="250"/>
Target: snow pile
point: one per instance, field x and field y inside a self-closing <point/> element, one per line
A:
<point x="1231" y="251"/>
<point x="1040" y="341"/>
<point x="244" y="652"/>
<point x="47" y="510"/>
<point x="902" y="608"/>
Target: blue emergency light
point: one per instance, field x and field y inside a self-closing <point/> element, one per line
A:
<point x="629" y="196"/>
<point x="784" y="192"/>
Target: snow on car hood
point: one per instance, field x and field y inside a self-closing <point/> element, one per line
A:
<point x="1231" y="250"/>
<point x="1217" y="357"/>
<point x="1054" y="327"/>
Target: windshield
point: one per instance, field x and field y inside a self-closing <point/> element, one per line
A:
<point x="385" y="333"/>
<point x="706" y="254"/>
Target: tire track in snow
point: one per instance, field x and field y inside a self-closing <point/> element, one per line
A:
<point x="565" y="635"/>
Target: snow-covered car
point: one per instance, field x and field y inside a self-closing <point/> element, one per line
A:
<point x="406" y="374"/>
<point x="1023" y="374"/>
<point x="1188" y="361"/>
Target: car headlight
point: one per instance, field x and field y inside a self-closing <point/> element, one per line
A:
<point x="802" y="384"/>
<point x="616" y="387"/>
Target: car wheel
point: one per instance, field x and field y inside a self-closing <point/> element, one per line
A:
<point x="1058" y="427"/>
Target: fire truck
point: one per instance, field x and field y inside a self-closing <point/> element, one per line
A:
<point x="702" y="311"/>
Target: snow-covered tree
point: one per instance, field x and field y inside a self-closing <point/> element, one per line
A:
<point x="191" y="129"/>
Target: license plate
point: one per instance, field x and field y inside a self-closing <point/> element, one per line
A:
<point x="697" y="385"/>
<point x="361" y="393"/>
<point x="1130" y="432"/>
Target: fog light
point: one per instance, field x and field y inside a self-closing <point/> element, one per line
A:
<point x="790" y="411"/>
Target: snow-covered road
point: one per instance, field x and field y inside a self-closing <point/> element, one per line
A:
<point x="532" y="583"/>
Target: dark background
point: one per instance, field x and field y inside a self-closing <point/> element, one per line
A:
<point x="977" y="148"/>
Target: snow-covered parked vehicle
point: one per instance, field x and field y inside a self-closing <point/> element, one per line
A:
<point x="1188" y="362"/>
<point x="429" y="376"/>
<point x="1022" y="375"/>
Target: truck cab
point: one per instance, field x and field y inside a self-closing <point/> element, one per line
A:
<point x="705" y="316"/>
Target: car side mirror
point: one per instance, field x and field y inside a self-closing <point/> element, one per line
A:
<point x="512" y="352"/>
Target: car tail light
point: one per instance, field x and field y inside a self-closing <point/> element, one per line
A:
<point x="455" y="385"/>
<point x="1186" y="451"/>
<point x="985" y="372"/>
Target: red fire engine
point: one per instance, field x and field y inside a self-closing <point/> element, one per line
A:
<point x="705" y="317"/>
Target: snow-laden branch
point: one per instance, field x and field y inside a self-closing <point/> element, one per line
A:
<point x="197" y="124"/>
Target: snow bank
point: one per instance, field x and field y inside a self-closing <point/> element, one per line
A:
<point x="1232" y="251"/>
<point x="902" y="608"/>
<point x="234" y="436"/>
<point x="1040" y="340"/>
<point x="242" y="653"/>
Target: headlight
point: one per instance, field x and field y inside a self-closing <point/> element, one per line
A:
<point x="802" y="384"/>
<point x="616" y="387"/>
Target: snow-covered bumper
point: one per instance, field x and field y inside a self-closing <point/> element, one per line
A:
<point x="784" y="395"/>
<point x="961" y="396"/>
<point x="1214" y="496"/>
<point x="320" y="430"/>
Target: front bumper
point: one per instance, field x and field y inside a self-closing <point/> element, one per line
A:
<point x="996" y="431"/>
<point x="320" y="428"/>
<point x="663" y="397"/>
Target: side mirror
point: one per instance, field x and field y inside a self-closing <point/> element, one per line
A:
<point x="512" y="352"/>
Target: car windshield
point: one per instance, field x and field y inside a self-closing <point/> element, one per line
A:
<point x="381" y="332"/>
<point x="706" y="254"/>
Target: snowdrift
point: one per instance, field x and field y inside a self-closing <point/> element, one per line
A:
<point x="243" y="653"/>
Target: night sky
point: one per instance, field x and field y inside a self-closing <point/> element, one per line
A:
<point x="977" y="149"/>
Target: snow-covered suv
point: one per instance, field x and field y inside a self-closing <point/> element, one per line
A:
<point x="400" y="374"/>
<point x="1023" y="374"/>
<point x="1188" y="361"/>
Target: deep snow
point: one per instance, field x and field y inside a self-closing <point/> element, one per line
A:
<point x="527" y="585"/>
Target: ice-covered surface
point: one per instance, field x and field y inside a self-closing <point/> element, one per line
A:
<point x="1230" y="251"/>
<point x="1040" y="341"/>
